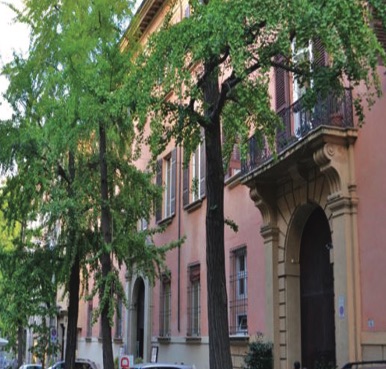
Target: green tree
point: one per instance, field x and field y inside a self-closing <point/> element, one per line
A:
<point x="71" y="141"/>
<point x="217" y="66"/>
<point x="28" y="294"/>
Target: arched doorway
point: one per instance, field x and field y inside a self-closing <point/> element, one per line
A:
<point x="317" y="293"/>
<point x="139" y="304"/>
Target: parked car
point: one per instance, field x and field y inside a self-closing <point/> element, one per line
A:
<point x="162" y="366"/>
<point x="375" y="364"/>
<point x="79" y="364"/>
<point x="31" y="366"/>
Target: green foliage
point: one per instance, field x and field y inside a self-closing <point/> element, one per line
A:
<point x="259" y="355"/>
<point x="43" y="347"/>
<point x="72" y="88"/>
<point x="213" y="72"/>
<point x="232" y="225"/>
<point x="138" y="360"/>
<point x="27" y="289"/>
<point x="240" y="40"/>
<point x="59" y="105"/>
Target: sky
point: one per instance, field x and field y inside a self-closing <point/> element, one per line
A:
<point x="12" y="37"/>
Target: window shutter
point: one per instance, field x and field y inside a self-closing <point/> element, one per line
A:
<point x="194" y="273"/>
<point x="379" y="28"/>
<point x="235" y="164"/>
<point x="319" y="53"/>
<point x="202" y="170"/>
<point x="380" y="32"/>
<point x="158" y="210"/>
<point x="185" y="186"/>
<point x="174" y="181"/>
<point x="281" y="86"/>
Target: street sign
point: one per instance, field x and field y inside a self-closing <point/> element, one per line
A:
<point x="54" y="335"/>
<point x="124" y="362"/>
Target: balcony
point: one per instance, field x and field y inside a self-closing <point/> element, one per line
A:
<point x="298" y="124"/>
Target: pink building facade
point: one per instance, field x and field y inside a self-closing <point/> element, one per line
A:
<point x="307" y="265"/>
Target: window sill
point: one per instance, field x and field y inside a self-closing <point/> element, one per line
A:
<point x="166" y="221"/>
<point x="163" y="340"/>
<point x="239" y="339"/>
<point x="193" y="205"/>
<point x="193" y="340"/>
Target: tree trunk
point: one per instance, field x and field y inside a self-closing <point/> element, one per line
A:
<point x="74" y="283"/>
<point x="108" y="358"/>
<point x="219" y="345"/>
<point x="73" y="309"/>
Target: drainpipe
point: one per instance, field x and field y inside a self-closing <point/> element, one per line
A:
<point x="179" y="237"/>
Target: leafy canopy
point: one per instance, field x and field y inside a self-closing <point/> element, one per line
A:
<point x="75" y="79"/>
<point x="238" y="43"/>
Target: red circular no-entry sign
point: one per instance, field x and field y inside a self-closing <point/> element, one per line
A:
<point x="125" y="362"/>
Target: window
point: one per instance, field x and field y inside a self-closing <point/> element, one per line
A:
<point x="234" y="165"/>
<point x="168" y="187"/>
<point x="297" y="121"/>
<point x="300" y="55"/>
<point x="194" y="301"/>
<point x="314" y="54"/>
<point x="118" y="320"/>
<point x="187" y="11"/>
<point x="166" y="177"/>
<point x="165" y="306"/>
<point x="143" y="224"/>
<point x="194" y="176"/>
<point x="238" y="303"/>
<point x="89" y="319"/>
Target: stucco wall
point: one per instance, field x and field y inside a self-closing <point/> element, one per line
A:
<point x="370" y="162"/>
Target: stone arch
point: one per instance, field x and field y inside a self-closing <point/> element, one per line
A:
<point x="293" y="235"/>
<point x="292" y="277"/>
<point x="319" y="171"/>
<point x="139" y="317"/>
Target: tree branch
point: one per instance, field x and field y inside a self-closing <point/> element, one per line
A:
<point x="208" y="71"/>
<point x="61" y="172"/>
<point x="288" y="68"/>
<point x="230" y="83"/>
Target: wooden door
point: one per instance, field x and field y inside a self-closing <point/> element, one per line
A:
<point x="317" y="294"/>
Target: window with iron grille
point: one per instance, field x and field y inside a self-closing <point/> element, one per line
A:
<point x="194" y="177"/>
<point x="165" y="307"/>
<point x="194" y="301"/>
<point x="89" y="319"/>
<point x="166" y="177"/>
<point x="238" y="302"/>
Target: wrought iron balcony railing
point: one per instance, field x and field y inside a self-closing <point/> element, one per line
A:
<point x="299" y="121"/>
